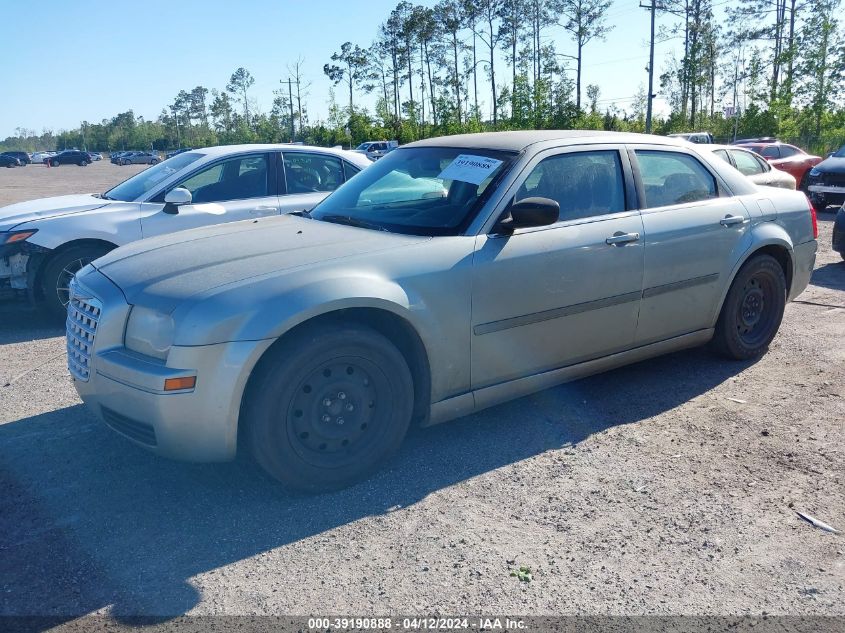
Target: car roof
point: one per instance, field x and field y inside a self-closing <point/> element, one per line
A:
<point x="715" y="146"/>
<point x="222" y="150"/>
<point x="519" y="140"/>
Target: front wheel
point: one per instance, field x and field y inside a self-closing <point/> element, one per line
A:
<point x="753" y="309"/>
<point x="60" y="269"/>
<point x="329" y="407"/>
<point x="154" y="161"/>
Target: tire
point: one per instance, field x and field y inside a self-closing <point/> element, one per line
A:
<point x="753" y="309"/>
<point x="154" y="161"/>
<point x="329" y="407"/>
<point x="59" y="270"/>
<point x="55" y="163"/>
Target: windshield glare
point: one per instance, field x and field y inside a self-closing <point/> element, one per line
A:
<point x="141" y="184"/>
<point x="421" y="191"/>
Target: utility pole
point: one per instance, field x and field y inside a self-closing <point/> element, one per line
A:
<point x="652" y="7"/>
<point x="290" y="101"/>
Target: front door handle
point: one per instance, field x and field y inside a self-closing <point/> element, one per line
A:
<point x="730" y="220"/>
<point x="622" y="238"/>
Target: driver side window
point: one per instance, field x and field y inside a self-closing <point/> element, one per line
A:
<point x="584" y="184"/>
<point x="234" y="179"/>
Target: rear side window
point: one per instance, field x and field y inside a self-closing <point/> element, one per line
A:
<point x="309" y="173"/>
<point x="584" y="184"/>
<point x="770" y="151"/>
<point x="746" y="163"/>
<point x="788" y="150"/>
<point x="673" y="178"/>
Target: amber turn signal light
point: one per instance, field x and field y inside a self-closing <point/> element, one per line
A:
<point x="177" y="384"/>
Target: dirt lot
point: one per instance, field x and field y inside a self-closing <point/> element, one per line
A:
<point x="668" y="487"/>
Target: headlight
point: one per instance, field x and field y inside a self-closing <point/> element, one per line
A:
<point x="13" y="237"/>
<point x="149" y="332"/>
<point x="815" y="172"/>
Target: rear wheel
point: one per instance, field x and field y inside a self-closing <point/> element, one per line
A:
<point x="60" y="269"/>
<point x="330" y="407"/>
<point x="753" y="309"/>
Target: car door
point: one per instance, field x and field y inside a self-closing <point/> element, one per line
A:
<point x="693" y="232"/>
<point x="236" y="188"/>
<point x="749" y="166"/>
<point x="557" y="295"/>
<point x="308" y="177"/>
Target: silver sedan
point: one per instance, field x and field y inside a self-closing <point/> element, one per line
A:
<point x="453" y="274"/>
<point x="755" y="167"/>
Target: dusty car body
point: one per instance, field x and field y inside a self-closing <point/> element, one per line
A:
<point x="549" y="256"/>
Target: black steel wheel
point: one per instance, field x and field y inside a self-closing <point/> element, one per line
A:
<point x="329" y="407"/>
<point x="753" y="309"/>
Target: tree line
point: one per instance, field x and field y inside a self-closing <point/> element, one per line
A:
<point x="475" y="65"/>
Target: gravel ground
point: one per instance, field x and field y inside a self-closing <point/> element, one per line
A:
<point x="667" y="487"/>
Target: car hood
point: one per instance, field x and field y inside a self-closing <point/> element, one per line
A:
<point x="832" y="165"/>
<point x="45" y="208"/>
<point x="161" y="272"/>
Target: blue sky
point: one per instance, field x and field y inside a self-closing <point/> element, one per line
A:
<point x="90" y="59"/>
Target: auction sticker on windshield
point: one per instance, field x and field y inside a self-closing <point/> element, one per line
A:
<point x="470" y="168"/>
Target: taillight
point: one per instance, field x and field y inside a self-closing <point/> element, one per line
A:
<point x="814" y="219"/>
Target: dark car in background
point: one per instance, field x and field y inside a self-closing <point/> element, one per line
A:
<point x="785" y="157"/>
<point x="9" y="161"/>
<point x="69" y="157"/>
<point x="176" y="152"/>
<point x="839" y="232"/>
<point x="826" y="181"/>
<point x="23" y="157"/>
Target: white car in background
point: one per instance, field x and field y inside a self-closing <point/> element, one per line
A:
<point x="755" y="167"/>
<point x="39" y="157"/>
<point x="44" y="242"/>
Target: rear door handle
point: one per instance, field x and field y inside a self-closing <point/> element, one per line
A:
<point x="264" y="210"/>
<point x="730" y="220"/>
<point x="622" y="238"/>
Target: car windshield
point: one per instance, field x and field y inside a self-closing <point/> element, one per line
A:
<point x="363" y="146"/>
<point x="420" y="191"/>
<point x="141" y="184"/>
<point x="841" y="152"/>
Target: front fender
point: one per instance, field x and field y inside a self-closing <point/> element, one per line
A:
<point x="268" y="310"/>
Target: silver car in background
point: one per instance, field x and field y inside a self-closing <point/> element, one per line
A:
<point x="756" y="168"/>
<point x="314" y="340"/>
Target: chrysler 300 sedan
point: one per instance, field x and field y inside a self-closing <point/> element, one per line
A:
<point x="314" y="340"/>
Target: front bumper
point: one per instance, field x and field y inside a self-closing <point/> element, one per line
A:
<point x="19" y="265"/>
<point x="824" y="195"/>
<point x="126" y="390"/>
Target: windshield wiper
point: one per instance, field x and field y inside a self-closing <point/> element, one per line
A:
<point x="305" y="213"/>
<point x="350" y="221"/>
<point x="105" y="197"/>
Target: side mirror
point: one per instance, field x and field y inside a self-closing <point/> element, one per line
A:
<point x="530" y="212"/>
<point x="176" y="198"/>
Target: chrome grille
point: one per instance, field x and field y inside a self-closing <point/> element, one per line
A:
<point x="83" y="314"/>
